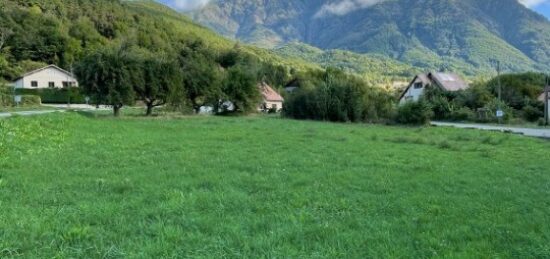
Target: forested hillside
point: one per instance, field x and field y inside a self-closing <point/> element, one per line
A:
<point x="375" y="68"/>
<point x="466" y="36"/>
<point x="39" y="32"/>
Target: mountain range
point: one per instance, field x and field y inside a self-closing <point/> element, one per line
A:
<point x="463" y="35"/>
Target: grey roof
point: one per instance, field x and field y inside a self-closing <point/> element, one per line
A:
<point x="449" y="81"/>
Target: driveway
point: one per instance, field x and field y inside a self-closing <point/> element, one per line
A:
<point x="27" y="113"/>
<point x="539" y="133"/>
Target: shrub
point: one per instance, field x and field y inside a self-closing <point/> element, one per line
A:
<point x="30" y="100"/>
<point x="462" y="114"/>
<point x="532" y="113"/>
<point x="492" y="108"/>
<point x="70" y="95"/>
<point x="339" y="97"/>
<point x="414" y="113"/>
<point x="6" y="97"/>
<point x="441" y="107"/>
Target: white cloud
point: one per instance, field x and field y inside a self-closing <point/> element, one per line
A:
<point x="532" y="3"/>
<point x="187" y="5"/>
<point x="344" y="7"/>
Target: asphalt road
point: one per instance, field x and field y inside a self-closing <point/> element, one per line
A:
<point x="27" y="113"/>
<point x="539" y="133"/>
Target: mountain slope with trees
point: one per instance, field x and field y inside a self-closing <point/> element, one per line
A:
<point x="38" y="32"/>
<point x="467" y="35"/>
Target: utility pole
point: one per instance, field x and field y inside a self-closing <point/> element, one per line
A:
<point x="546" y="101"/>
<point x="499" y="112"/>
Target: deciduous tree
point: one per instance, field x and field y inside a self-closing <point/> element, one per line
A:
<point x="106" y="75"/>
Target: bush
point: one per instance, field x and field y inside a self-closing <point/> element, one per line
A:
<point x="462" y="114"/>
<point x="414" y="113"/>
<point x="30" y="100"/>
<point x="532" y="113"/>
<point x="6" y="100"/>
<point x="493" y="107"/>
<point x="65" y="95"/>
<point x="338" y="97"/>
<point x="6" y="97"/>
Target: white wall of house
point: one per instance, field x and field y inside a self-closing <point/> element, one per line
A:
<point x="49" y="77"/>
<point x="414" y="92"/>
<point x="272" y="104"/>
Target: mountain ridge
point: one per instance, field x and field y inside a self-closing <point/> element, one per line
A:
<point x="467" y="35"/>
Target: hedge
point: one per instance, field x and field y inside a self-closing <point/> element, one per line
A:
<point x="6" y="100"/>
<point x="72" y="95"/>
<point x="26" y="100"/>
<point x="30" y="100"/>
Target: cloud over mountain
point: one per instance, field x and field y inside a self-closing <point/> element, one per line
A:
<point x="531" y="3"/>
<point x="186" y="5"/>
<point x="344" y="7"/>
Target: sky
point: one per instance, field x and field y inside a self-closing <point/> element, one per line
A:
<point x="541" y="6"/>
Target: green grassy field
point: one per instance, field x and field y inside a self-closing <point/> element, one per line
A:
<point x="83" y="187"/>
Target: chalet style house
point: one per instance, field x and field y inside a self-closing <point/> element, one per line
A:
<point x="47" y="77"/>
<point x="445" y="81"/>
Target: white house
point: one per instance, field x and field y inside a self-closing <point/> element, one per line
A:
<point x="271" y="99"/>
<point x="547" y="102"/>
<point x="47" y="77"/>
<point x="445" y="81"/>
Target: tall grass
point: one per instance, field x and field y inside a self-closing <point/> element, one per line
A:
<point x="75" y="186"/>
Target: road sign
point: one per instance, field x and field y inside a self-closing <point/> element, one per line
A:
<point x="500" y="114"/>
<point x="17" y="99"/>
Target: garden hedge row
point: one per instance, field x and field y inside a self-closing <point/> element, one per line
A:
<point x="72" y="95"/>
<point x="26" y="100"/>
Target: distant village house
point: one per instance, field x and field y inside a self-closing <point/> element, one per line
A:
<point x="293" y="85"/>
<point x="445" y="81"/>
<point x="541" y="97"/>
<point x="47" y="77"/>
<point x="271" y="100"/>
<point x="547" y="102"/>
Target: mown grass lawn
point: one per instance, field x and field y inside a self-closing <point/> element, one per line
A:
<point x="82" y="187"/>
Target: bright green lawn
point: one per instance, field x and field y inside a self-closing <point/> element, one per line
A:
<point x="81" y="187"/>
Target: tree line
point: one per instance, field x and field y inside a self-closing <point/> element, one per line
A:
<point x="333" y="95"/>
<point x="192" y="77"/>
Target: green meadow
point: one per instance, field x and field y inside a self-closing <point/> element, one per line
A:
<point x="83" y="186"/>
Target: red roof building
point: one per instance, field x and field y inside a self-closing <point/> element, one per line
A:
<point x="271" y="99"/>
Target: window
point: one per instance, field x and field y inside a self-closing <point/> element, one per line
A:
<point x="417" y="85"/>
<point x="66" y="84"/>
<point x="34" y="83"/>
<point x="51" y="84"/>
<point x="274" y="106"/>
